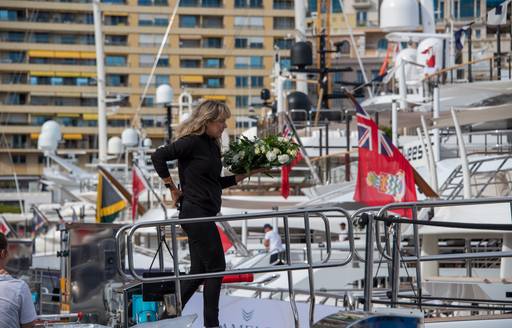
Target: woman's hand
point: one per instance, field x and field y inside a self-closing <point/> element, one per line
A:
<point x="176" y="195"/>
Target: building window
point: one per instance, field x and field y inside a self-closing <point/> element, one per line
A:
<point x="256" y="62"/>
<point x="382" y="44"/>
<point x="150" y="20"/>
<point x="241" y="101"/>
<point x="212" y="22"/>
<point x="190" y="43"/>
<point x="361" y="18"/>
<point x="254" y="22"/>
<point x="256" y="81"/>
<point x="212" y="3"/>
<point x="246" y="62"/>
<point x="251" y="42"/>
<point x="19" y="159"/>
<point x="19" y="140"/>
<point x="212" y="43"/>
<point x="282" y="4"/>
<point x="214" y="82"/>
<point x="248" y="3"/>
<point x="241" y="81"/>
<point x="150" y="39"/>
<point x="283" y="43"/>
<point x="189" y="21"/>
<point x="190" y="63"/>
<point x="189" y="3"/>
<point x="42" y="37"/>
<point x="478" y="33"/>
<point x="467" y="8"/>
<point x="117" y="80"/>
<point x="284" y="23"/>
<point x="359" y="77"/>
<point x="112" y="60"/>
<point x="213" y="63"/>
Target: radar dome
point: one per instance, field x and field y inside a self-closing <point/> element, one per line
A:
<point x="147" y="143"/>
<point x="164" y="94"/>
<point x="130" y="138"/>
<point x="399" y="15"/>
<point x="115" y="146"/>
<point x="47" y="142"/>
<point x="52" y="128"/>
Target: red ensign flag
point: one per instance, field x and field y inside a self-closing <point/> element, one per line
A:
<point x="383" y="174"/>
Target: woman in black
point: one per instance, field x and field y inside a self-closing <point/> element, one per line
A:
<point x="197" y="149"/>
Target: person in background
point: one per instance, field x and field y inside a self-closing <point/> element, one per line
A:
<point x="197" y="149"/>
<point x="16" y="307"/>
<point x="344" y="233"/>
<point x="273" y="244"/>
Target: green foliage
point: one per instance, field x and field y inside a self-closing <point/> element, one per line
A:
<point x="7" y="208"/>
<point x="245" y="155"/>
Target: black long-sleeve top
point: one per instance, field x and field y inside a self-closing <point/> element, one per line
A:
<point x="199" y="168"/>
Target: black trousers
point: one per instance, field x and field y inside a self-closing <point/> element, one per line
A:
<point x="206" y="255"/>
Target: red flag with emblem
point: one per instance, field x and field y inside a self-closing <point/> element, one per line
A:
<point x="137" y="188"/>
<point x="383" y="174"/>
<point x="4" y="226"/>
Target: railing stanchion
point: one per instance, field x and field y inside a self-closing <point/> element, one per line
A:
<point x="368" y="272"/>
<point x="177" y="288"/>
<point x="310" y="270"/>
<point x="395" y="264"/>
<point x="291" y="291"/>
<point x="417" y="250"/>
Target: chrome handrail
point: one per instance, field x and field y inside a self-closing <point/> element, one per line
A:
<point x="415" y="206"/>
<point x="310" y="265"/>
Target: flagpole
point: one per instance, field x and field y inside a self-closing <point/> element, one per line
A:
<point x="470" y="54"/>
<point x="498" y="59"/>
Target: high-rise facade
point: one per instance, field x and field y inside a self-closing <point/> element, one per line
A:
<point x="217" y="49"/>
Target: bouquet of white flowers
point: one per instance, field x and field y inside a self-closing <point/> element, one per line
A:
<point x="245" y="155"/>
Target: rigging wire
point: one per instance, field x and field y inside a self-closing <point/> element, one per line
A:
<point x="136" y="118"/>
<point x="356" y="51"/>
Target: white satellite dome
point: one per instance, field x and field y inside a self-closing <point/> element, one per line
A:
<point x="399" y="15"/>
<point x="115" y="146"/>
<point x="51" y="128"/>
<point x="164" y="94"/>
<point x="130" y="137"/>
<point x="147" y="143"/>
<point x="423" y="52"/>
<point x="47" y="142"/>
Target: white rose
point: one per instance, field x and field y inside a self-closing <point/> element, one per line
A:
<point x="283" y="159"/>
<point x="236" y="158"/>
<point x="276" y="151"/>
<point x="257" y="151"/>
<point x="292" y="152"/>
<point x="270" y="156"/>
<point x="241" y="154"/>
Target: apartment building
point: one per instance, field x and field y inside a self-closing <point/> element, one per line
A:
<point x="217" y="49"/>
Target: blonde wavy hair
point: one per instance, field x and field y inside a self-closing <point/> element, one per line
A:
<point x="208" y="111"/>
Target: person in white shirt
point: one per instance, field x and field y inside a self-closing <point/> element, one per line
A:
<point x="16" y="307"/>
<point x="273" y="244"/>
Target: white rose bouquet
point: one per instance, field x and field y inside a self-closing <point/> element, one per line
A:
<point x="245" y="155"/>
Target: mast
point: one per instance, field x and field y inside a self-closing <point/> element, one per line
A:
<point x="300" y="35"/>
<point x="100" y="71"/>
